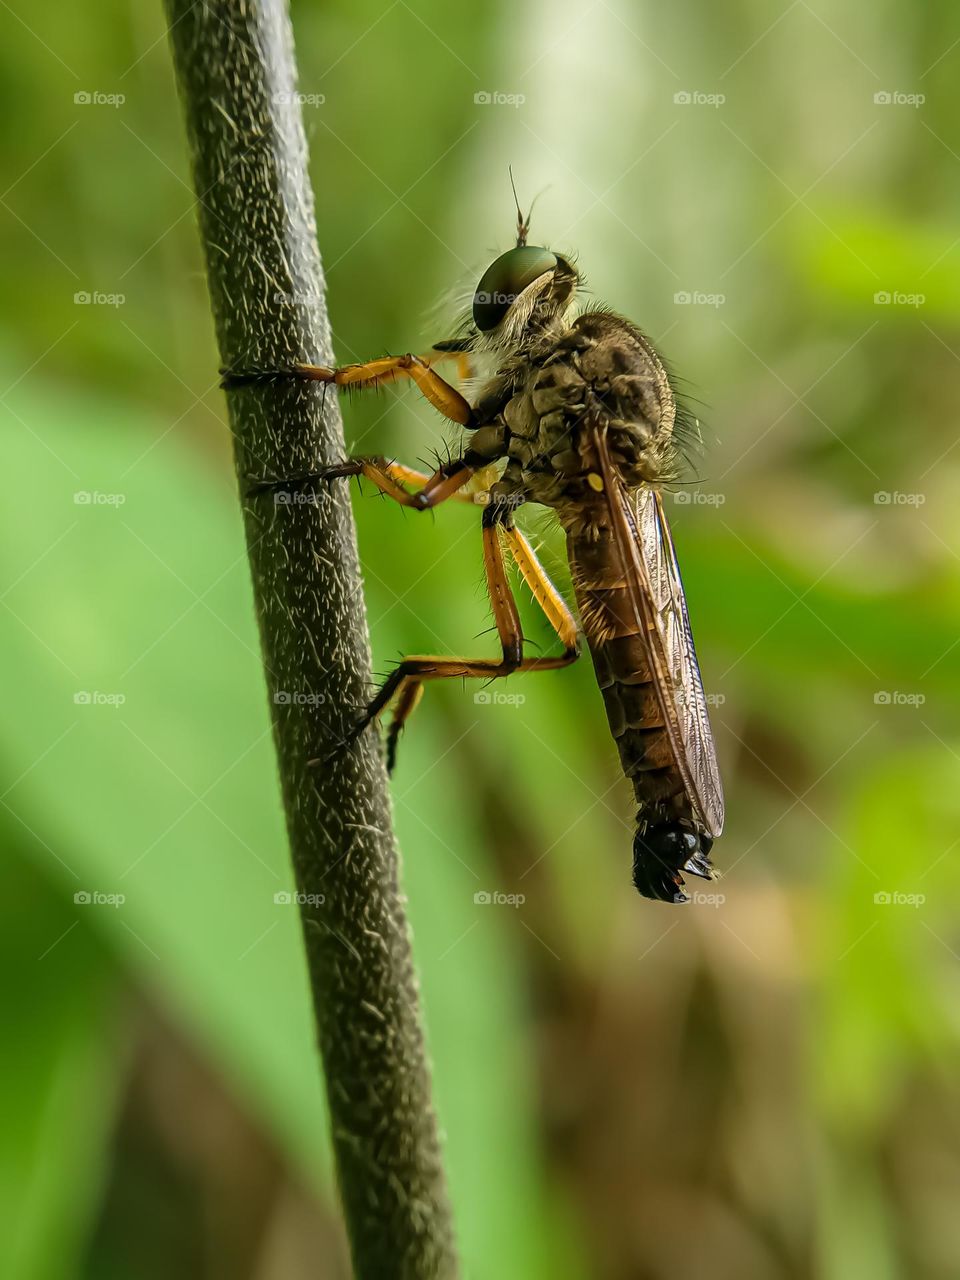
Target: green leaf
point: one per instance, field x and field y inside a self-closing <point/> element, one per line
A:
<point x="60" y="1072"/>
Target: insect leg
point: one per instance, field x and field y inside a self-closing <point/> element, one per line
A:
<point x="547" y="596"/>
<point x="455" y="349"/>
<point x="371" y="373"/>
<point x="405" y="685"/>
<point x="390" y="478"/>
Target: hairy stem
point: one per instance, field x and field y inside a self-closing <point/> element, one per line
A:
<point x="234" y="64"/>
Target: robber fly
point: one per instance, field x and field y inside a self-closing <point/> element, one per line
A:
<point x="576" y="412"/>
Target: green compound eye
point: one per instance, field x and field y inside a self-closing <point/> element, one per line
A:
<point x="504" y="279"/>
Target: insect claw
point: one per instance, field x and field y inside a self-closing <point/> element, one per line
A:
<point x="264" y="484"/>
<point x="337" y="471"/>
<point x="351" y="736"/>
<point x="699" y="865"/>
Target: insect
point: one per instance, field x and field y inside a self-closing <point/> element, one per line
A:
<point x="576" y="412"/>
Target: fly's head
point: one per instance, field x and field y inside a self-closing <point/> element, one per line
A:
<point x="524" y="293"/>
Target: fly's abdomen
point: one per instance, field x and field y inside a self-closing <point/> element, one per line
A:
<point x="622" y="666"/>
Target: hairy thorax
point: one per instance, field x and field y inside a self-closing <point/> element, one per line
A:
<point x="600" y="369"/>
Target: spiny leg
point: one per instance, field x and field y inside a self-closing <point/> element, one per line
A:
<point x="390" y="478"/>
<point x="369" y="374"/>
<point x="421" y="481"/>
<point x="547" y="596"/>
<point x="405" y="685"/>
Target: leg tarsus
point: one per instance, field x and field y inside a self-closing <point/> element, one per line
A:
<point x="336" y="471"/>
<point x="230" y="378"/>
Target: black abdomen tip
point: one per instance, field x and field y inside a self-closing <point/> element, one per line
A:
<point x="661" y="851"/>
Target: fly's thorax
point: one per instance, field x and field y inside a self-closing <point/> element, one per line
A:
<point x="599" y="370"/>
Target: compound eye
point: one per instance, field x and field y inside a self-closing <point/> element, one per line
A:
<point x="504" y="279"/>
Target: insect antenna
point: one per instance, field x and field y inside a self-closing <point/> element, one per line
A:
<point x="523" y="223"/>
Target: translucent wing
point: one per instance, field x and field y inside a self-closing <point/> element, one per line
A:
<point x="656" y="589"/>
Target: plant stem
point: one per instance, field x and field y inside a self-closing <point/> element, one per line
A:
<point x="234" y="64"/>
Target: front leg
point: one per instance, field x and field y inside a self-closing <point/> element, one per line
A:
<point x="371" y="373"/>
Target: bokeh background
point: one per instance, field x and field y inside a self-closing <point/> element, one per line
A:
<point x="762" y="1084"/>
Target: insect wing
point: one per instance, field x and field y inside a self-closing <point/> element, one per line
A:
<point x="656" y="589"/>
<point x="660" y="557"/>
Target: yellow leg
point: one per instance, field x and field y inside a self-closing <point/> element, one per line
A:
<point x="405" y="685"/>
<point x="372" y="373"/>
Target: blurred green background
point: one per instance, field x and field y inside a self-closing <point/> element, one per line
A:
<point x="763" y="1086"/>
